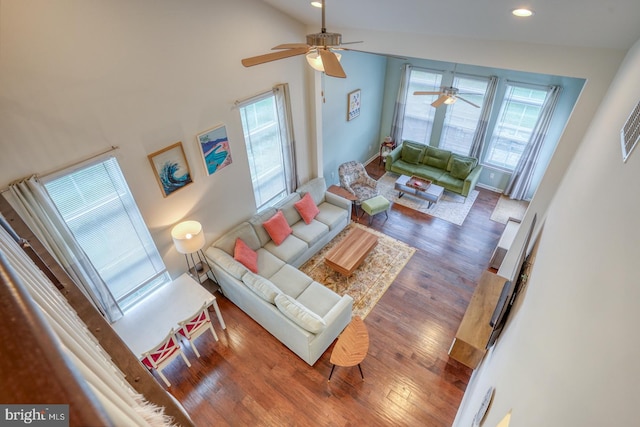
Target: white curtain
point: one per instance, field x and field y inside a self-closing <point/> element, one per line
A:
<point x="520" y="180"/>
<point x="32" y="202"/>
<point x="121" y="402"/>
<point x="400" y="106"/>
<point x="281" y="93"/>
<point x="485" y="113"/>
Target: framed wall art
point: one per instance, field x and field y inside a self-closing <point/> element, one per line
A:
<point x="171" y="168"/>
<point x="353" y="104"/>
<point x="214" y="148"/>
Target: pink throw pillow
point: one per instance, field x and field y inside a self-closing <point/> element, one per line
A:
<point x="277" y="227"/>
<point x="307" y="208"/>
<point x="245" y="255"/>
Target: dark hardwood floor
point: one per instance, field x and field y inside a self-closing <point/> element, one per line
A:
<point x="249" y="378"/>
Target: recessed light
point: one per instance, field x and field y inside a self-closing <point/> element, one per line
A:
<point x="522" y="13"/>
<point x="316" y="4"/>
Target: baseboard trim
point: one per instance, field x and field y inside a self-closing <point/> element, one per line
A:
<point x="488" y="187"/>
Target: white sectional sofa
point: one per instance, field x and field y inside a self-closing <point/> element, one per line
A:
<point x="301" y="313"/>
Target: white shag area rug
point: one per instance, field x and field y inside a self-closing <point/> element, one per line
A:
<point x="452" y="207"/>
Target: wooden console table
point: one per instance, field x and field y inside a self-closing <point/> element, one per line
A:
<point x="470" y="343"/>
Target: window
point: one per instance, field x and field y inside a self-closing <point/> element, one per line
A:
<point x="518" y="116"/>
<point x="461" y="118"/>
<point x="419" y="114"/>
<point x="269" y="146"/>
<point x="99" y="209"/>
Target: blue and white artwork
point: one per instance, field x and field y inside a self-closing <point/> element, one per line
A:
<point x="171" y="168"/>
<point x="214" y="147"/>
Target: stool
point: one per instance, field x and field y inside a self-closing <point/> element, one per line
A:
<point x="375" y="206"/>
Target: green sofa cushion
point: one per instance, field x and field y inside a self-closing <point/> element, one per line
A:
<point x="473" y="160"/>
<point x="411" y="154"/>
<point x="461" y="168"/>
<point x="437" y="158"/>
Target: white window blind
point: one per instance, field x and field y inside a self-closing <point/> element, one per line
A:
<point x="99" y="209"/>
<point x="266" y="149"/>
<point x="461" y="118"/>
<point x="419" y="114"/>
<point x="519" y="113"/>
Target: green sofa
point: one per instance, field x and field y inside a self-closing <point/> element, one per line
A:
<point x="452" y="171"/>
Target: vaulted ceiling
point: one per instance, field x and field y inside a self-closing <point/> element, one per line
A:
<point x="587" y="23"/>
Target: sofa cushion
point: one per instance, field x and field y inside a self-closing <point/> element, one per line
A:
<point x="437" y="157"/>
<point x="245" y="255"/>
<point x="256" y="222"/>
<point x="289" y="250"/>
<point x="318" y="298"/>
<point x="331" y="215"/>
<point x="226" y="262"/>
<point x="461" y="168"/>
<point x="307" y="208"/>
<point x="300" y="314"/>
<point x="277" y="227"/>
<point x="311" y="232"/>
<point x="473" y="160"/>
<point x="411" y="154"/>
<point x="290" y="280"/>
<point x="316" y="187"/>
<point x="288" y="208"/>
<point x="243" y="231"/>
<point x="451" y="183"/>
<point x="263" y="287"/>
<point x="268" y="263"/>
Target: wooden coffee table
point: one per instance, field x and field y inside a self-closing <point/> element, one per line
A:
<point x="347" y="255"/>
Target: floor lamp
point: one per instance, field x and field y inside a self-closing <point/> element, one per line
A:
<point x="188" y="239"/>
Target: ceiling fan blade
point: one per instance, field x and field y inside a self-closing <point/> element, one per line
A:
<point x="291" y="46"/>
<point x="419" y="92"/>
<point x="468" y="102"/>
<point x="261" y="59"/>
<point x="361" y="41"/>
<point x="438" y="102"/>
<point x="331" y="64"/>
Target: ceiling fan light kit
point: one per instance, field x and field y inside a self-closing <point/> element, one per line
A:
<point x="319" y="51"/>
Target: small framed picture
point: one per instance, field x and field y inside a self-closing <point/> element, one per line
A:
<point x="171" y="168"/>
<point x="214" y="148"/>
<point x="353" y="104"/>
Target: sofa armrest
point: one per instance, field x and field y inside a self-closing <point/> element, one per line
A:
<point x="338" y="201"/>
<point x="471" y="180"/>
<point x="392" y="157"/>
<point x="345" y="303"/>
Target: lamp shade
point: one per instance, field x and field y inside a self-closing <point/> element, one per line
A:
<point x="188" y="237"/>
<point x="315" y="60"/>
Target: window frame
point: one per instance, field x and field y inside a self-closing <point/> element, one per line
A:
<point x="496" y="128"/>
<point x="127" y="207"/>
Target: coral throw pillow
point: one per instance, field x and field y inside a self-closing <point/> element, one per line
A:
<point x="307" y="208"/>
<point x="277" y="227"/>
<point x="245" y="255"/>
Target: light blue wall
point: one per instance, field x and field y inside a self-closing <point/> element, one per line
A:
<point x="358" y="139"/>
<point x="492" y="178"/>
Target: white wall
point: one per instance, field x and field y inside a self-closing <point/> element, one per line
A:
<point x="568" y="355"/>
<point x="77" y="77"/>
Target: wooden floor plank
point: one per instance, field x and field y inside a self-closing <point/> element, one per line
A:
<point x="249" y="378"/>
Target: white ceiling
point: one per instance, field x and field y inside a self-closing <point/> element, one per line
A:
<point x="588" y="23"/>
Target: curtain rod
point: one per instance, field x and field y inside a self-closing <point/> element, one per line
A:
<point x="113" y="148"/>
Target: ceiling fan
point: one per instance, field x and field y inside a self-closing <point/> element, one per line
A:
<point x="319" y="50"/>
<point x="448" y="95"/>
